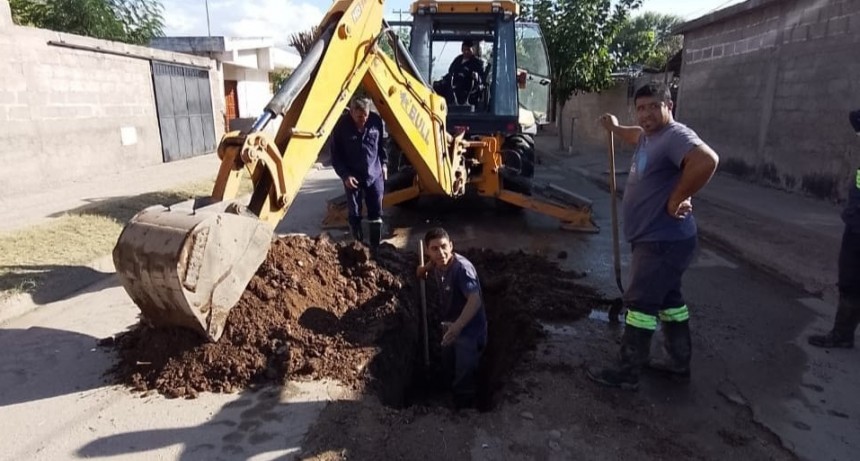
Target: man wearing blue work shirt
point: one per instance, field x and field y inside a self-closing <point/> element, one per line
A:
<point x="848" y="311"/>
<point x="359" y="159"/>
<point x="464" y="320"/>
<point x="670" y="165"/>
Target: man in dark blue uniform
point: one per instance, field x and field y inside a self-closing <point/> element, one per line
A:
<point x="359" y="159"/>
<point x="464" y="320"/>
<point x="848" y="311"/>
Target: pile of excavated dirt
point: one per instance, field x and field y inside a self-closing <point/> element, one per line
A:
<point x="319" y="309"/>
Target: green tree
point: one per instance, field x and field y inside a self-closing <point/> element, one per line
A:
<point x="402" y="34"/>
<point x="130" y="21"/>
<point x="278" y="77"/>
<point x="579" y="35"/>
<point x="647" y="39"/>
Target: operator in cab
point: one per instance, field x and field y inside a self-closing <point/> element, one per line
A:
<point x="465" y="75"/>
<point x="358" y="157"/>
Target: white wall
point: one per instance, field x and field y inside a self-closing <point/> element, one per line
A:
<point x="245" y="58"/>
<point x="254" y="89"/>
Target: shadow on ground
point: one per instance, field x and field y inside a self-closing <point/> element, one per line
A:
<point x="50" y="283"/>
<point x="258" y="423"/>
<point x="48" y="363"/>
<point x="124" y="208"/>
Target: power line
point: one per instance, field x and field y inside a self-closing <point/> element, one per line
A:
<point x="399" y="13"/>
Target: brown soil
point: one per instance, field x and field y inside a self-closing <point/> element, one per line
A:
<point x="319" y="309"/>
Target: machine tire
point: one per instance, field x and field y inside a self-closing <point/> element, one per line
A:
<point x="526" y="151"/>
<point x="518" y="182"/>
<point x="401" y="174"/>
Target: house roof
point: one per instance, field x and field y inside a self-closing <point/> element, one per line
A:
<point x="285" y="58"/>
<point x="214" y="44"/>
<point x="722" y="15"/>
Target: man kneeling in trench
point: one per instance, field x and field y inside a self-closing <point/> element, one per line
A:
<point x="464" y="321"/>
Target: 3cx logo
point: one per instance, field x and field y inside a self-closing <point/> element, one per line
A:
<point x="356" y="12"/>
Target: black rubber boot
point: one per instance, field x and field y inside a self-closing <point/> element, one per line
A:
<point x="847" y="318"/>
<point x="355" y="229"/>
<point x="832" y="340"/>
<point x="374" y="234"/>
<point x="635" y="346"/>
<point x="679" y="351"/>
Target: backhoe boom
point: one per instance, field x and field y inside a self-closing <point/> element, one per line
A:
<point x="190" y="269"/>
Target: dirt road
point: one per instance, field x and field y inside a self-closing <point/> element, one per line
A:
<point x="757" y="391"/>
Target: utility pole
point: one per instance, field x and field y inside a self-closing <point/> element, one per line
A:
<point x="399" y="14"/>
<point x="208" y="29"/>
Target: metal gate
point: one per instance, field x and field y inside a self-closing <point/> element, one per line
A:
<point x="184" y="103"/>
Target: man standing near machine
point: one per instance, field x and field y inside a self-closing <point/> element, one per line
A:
<point x="848" y="311"/>
<point x="670" y="165"/>
<point x="359" y="159"/>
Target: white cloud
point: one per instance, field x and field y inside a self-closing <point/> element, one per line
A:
<point x="241" y="18"/>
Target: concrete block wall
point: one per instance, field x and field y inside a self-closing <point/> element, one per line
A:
<point x="71" y="114"/>
<point x="770" y="89"/>
<point x="587" y="108"/>
<point x="588" y="134"/>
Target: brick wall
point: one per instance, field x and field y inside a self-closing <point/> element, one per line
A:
<point x="770" y="89"/>
<point x="69" y="114"/>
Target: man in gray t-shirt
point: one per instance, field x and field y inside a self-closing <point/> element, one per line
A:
<point x="669" y="166"/>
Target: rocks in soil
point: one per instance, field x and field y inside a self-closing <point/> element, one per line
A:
<point x="318" y="309"/>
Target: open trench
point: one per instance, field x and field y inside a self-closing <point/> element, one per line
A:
<point x="319" y="309"/>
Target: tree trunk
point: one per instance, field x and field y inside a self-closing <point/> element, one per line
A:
<point x="559" y="119"/>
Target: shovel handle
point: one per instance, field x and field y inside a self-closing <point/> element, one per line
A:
<point x="613" y="192"/>
<point x="423" y="286"/>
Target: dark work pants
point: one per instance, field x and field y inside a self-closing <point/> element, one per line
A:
<point x="461" y="361"/>
<point x="371" y="195"/>
<point x="655" y="282"/>
<point x="848" y="312"/>
<point x="849" y="264"/>
<point x="656" y="272"/>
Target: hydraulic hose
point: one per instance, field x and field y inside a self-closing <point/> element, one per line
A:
<point x="296" y="81"/>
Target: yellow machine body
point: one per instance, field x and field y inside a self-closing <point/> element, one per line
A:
<point x="189" y="268"/>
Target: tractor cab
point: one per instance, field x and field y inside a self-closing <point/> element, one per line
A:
<point x="492" y="69"/>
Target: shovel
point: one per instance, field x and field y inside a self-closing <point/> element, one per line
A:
<point x="615" y="310"/>
<point x="423" y="286"/>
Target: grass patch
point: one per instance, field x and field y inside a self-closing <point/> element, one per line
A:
<point x="28" y="257"/>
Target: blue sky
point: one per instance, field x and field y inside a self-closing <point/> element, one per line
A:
<point x="280" y="18"/>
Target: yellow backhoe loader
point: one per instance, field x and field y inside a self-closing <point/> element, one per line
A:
<point x="189" y="268"/>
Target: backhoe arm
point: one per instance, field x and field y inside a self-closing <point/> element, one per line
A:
<point x="345" y="55"/>
<point x="189" y="269"/>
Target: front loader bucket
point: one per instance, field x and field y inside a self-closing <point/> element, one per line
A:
<point x="189" y="269"/>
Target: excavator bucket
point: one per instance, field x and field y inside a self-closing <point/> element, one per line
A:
<point x="186" y="268"/>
